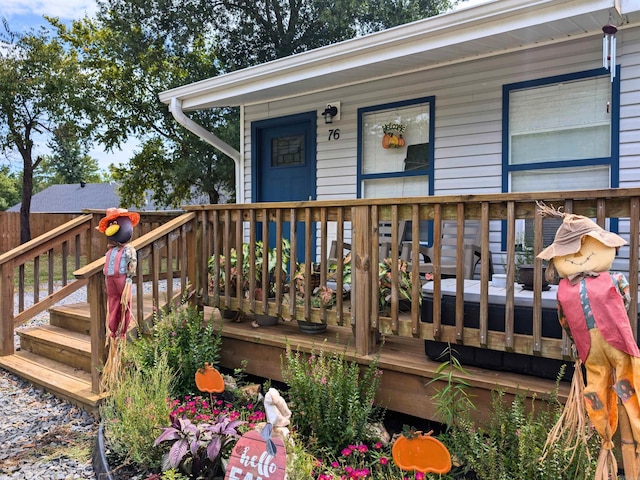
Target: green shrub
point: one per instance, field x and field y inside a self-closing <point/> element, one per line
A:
<point x="510" y="444"/>
<point x="187" y="340"/>
<point x="331" y="401"/>
<point x="135" y="411"/>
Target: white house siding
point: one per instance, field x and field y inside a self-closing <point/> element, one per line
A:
<point x="468" y="116"/>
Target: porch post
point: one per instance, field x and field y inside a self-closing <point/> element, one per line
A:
<point x="98" y="329"/>
<point x="6" y="308"/>
<point x="361" y="279"/>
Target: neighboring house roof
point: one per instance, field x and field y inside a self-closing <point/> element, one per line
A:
<point x="72" y="198"/>
<point x="485" y="30"/>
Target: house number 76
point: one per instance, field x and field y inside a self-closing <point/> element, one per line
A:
<point x="334" y="134"/>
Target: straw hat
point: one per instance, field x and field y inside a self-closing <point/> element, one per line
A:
<point x="113" y="213"/>
<point x="569" y="235"/>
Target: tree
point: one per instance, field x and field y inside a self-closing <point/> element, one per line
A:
<point x="257" y="31"/>
<point x="39" y="80"/>
<point x="9" y="188"/>
<point x="133" y="52"/>
<point x="69" y="162"/>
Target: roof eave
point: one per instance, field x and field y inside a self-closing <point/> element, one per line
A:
<point x="271" y="80"/>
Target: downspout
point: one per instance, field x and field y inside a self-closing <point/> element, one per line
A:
<point x="175" y="107"/>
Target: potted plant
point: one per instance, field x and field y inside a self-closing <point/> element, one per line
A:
<point x="272" y="269"/>
<point x="385" y="273"/>
<point x="320" y="296"/>
<point x="524" y="265"/>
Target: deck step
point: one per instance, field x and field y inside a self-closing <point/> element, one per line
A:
<point x="63" y="381"/>
<point x="74" y="317"/>
<point x="56" y="343"/>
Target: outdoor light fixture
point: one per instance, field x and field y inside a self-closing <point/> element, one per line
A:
<point x="609" y="48"/>
<point x="330" y="112"/>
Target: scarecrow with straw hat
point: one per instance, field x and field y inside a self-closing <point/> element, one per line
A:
<point x="119" y="266"/>
<point x="592" y="307"/>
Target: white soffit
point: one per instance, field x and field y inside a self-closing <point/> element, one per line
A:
<point x="466" y="34"/>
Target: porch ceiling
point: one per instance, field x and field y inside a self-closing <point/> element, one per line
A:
<point x="470" y="33"/>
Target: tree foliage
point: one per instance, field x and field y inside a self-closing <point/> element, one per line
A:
<point x="69" y="161"/>
<point x="40" y="81"/>
<point x="9" y="188"/>
<point x="257" y="31"/>
<point x="134" y="52"/>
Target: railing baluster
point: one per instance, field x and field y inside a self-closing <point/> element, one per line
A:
<point x="278" y="273"/>
<point x="416" y="281"/>
<point x="460" y="255"/>
<point x="373" y="246"/>
<point x="50" y="276"/>
<point x="308" y="235"/>
<point x="65" y="262"/>
<point x="36" y="279"/>
<point x="437" y="255"/>
<point x="293" y="262"/>
<point x="509" y="294"/>
<point x="537" y="286"/>
<point x="484" y="276"/>
<point x="340" y="265"/>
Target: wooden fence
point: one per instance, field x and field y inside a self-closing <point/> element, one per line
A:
<point x="42" y="223"/>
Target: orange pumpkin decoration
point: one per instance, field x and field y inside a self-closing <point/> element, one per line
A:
<point x="401" y="141"/>
<point x="422" y="453"/>
<point x="385" y="140"/>
<point x="208" y="379"/>
<point x="393" y="141"/>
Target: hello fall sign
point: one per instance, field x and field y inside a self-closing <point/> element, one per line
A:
<point x="255" y="457"/>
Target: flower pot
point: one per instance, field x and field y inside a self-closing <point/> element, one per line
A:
<point x="525" y="277"/>
<point x="228" y="314"/>
<point x="311" y="327"/>
<point x="265" y="320"/>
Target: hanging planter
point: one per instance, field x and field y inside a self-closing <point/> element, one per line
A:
<point x="393" y="135"/>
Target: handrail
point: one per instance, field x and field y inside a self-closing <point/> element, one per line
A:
<point x="151" y="249"/>
<point x="57" y="239"/>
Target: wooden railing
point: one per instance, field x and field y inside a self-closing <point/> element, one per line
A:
<point x="22" y="266"/>
<point x="182" y="247"/>
<point x="165" y="253"/>
<point x="316" y="224"/>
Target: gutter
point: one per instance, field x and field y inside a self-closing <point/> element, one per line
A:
<point x="175" y="107"/>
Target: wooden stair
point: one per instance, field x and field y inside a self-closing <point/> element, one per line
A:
<point x="57" y="357"/>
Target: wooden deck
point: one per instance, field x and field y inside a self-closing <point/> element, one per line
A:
<point x="406" y="369"/>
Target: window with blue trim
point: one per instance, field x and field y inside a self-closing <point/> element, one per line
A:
<point x="561" y="133"/>
<point x="395" y="149"/>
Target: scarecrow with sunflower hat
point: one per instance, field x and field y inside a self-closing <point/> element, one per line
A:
<point x="119" y="267"/>
<point x="592" y="307"/>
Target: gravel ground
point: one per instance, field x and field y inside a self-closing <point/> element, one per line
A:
<point x="42" y="437"/>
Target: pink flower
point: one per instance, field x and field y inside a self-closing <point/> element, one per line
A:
<point x="384" y="460"/>
<point x="378" y="445"/>
<point x="346" y="452"/>
<point x="419" y="476"/>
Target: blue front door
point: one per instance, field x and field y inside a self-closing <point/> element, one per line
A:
<point x="284" y="164"/>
